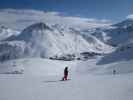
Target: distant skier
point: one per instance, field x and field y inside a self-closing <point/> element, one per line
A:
<point x="65" y="74"/>
<point x="114" y="72"/>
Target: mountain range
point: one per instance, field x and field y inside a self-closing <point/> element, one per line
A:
<point x="56" y="40"/>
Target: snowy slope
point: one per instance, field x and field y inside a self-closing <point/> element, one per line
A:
<point x="82" y="88"/>
<point x="122" y="53"/>
<point x="45" y="67"/>
<point x="40" y="80"/>
<point x="11" y="50"/>
<point x="35" y="67"/>
<point x="117" y="34"/>
<point x="6" y="32"/>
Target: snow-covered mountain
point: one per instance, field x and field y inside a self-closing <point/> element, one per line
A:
<point x="6" y="32"/>
<point x="122" y="53"/>
<point x="116" y="34"/>
<point x="59" y="37"/>
<point x="41" y="40"/>
<point x="119" y="35"/>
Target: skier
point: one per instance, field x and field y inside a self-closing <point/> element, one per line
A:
<point x="114" y="72"/>
<point x="65" y="74"/>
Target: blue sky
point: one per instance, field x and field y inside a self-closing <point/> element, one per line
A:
<point x="114" y="10"/>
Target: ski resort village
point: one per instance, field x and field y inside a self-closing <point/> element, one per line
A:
<point x="60" y="54"/>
